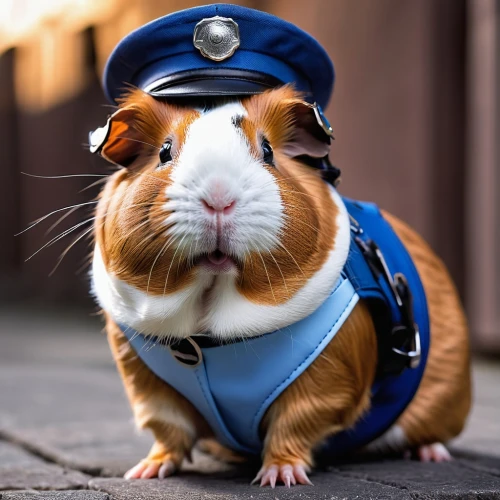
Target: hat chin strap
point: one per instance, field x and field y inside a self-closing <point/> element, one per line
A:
<point x="329" y="172"/>
<point x="212" y="82"/>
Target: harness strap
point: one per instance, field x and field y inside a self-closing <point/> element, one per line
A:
<point x="233" y="385"/>
<point x="388" y="295"/>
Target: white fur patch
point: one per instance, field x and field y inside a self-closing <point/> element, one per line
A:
<point x="393" y="440"/>
<point x="216" y="154"/>
<point x="169" y="315"/>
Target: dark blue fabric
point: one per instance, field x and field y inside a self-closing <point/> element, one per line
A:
<point x="268" y="44"/>
<point x="390" y="394"/>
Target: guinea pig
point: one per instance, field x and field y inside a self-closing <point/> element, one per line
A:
<point x="215" y="237"/>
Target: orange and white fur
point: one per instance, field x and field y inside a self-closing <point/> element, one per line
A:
<point x="217" y="239"/>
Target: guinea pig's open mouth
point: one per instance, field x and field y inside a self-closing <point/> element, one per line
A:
<point x="217" y="262"/>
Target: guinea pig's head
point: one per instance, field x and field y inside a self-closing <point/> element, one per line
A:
<point x="214" y="222"/>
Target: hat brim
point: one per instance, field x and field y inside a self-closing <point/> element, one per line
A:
<point x="213" y="82"/>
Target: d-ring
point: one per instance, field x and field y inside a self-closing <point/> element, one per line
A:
<point x="187" y="352"/>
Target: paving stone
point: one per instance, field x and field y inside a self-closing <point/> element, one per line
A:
<point x="40" y="395"/>
<point x="327" y="486"/>
<point x="484" y="463"/>
<point x="12" y="455"/>
<point x="428" y="480"/>
<point x="54" y="495"/>
<point x="100" y="448"/>
<point x="61" y="397"/>
<point x="20" y="470"/>
<point x="41" y="476"/>
<point x="78" y="417"/>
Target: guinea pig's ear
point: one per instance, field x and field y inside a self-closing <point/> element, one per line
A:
<point x="118" y="141"/>
<point x="311" y="133"/>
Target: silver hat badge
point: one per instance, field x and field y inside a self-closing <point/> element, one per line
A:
<point x="217" y="37"/>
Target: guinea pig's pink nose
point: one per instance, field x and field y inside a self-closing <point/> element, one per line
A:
<point x="218" y="205"/>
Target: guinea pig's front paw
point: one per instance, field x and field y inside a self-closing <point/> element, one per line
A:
<point x="288" y="473"/>
<point x="154" y="467"/>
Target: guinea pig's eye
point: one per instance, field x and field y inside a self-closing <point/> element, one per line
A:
<point x="267" y="152"/>
<point x="166" y="152"/>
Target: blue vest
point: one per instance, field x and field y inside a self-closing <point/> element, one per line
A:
<point x="233" y="385"/>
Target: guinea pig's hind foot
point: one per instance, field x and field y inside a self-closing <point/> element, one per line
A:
<point x="435" y="452"/>
<point x="146" y="469"/>
<point x="288" y="474"/>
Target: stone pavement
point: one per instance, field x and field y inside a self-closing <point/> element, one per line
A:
<point x="66" y="432"/>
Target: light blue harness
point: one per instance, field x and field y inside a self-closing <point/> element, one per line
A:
<point x="236" y="383"/>
<point x="233" y="385"/>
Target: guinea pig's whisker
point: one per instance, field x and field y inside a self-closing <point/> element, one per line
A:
<point x="129" y="207"/>
<point x="144" y="240"/>
<point x="283" y="179"/>
<point x="62" y="218"/>
<point x="87" y="232"/>
<point x="58" y="221"/>
<point x="299" y="208"/>
<point x="41" y="219"/>
<point x="189" y="252"/>
<point x="249" y="255"/>
<point x="301" y="193"/>
<point x="298" y="219"/>
<point x="171" y="263"/>
<point x="162" y="249"/>
<point x="62" y="176"/>
<point x="191" y="255"/>
<point x="137" y="140"/>
<point x="291" y="256"/>
<point x="95" y="183"/>
<point x="248" y="344"/>
<point x="267" y="274"/>
<point x="65" y="252"/>
<point x="59" y="237"/>
<point x="279" y="269"/>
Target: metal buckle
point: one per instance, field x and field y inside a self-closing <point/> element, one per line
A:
<point x="322" y="120"/>
<point x="415" y="354"/>
<point x="186" y="358"/>
<point x="387" y="274"/>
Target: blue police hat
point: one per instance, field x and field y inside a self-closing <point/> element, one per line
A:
<point x="219" y="49"/>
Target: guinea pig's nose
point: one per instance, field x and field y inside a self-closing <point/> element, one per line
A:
<point x="218" y="205"/>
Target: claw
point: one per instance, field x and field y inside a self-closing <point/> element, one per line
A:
<point x="269" y="476"/>
<point x="166" y="469"/>
<point x="273" y="481"/>
<point x="145" y="470"/>
<point x="150" y="471"/>
<point x="300" y="473"/>
<point x="257" y="478"/>
<point x="136" y="471"/>
<point x="288" y="474"/>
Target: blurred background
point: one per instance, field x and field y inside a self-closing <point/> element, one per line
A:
<point x="416" y="115"/>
